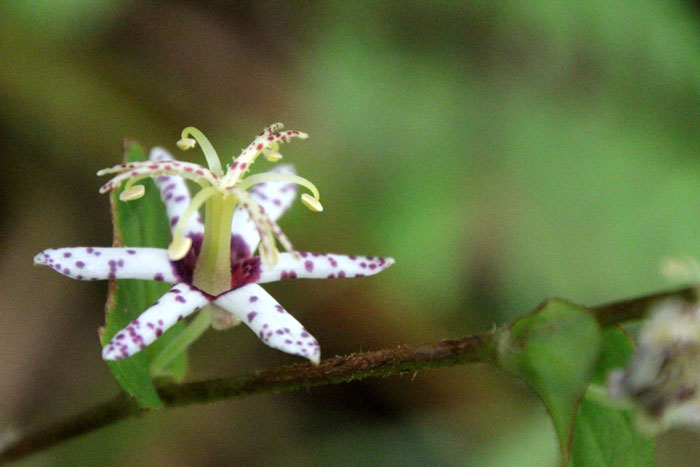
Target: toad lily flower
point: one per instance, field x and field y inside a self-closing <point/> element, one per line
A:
<point x="212" y="263"/>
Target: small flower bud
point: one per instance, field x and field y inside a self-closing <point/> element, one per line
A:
<point x="663" y="378"/>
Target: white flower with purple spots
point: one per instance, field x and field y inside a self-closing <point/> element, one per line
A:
<point x="212" y="263"/>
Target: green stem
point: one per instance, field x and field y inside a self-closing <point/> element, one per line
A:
<point x="600" y="395"/>
<point x="404" y="359"/>
<point x="194" y="329"/>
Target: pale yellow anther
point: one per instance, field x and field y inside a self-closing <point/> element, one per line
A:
<point x="179" y="247"/>
<point x="311" y="202"/>
<point x="272" y="156"/>
<point x="132" y="192"/>
<point x="186" y="143"/>
<point x="270" y="256"/>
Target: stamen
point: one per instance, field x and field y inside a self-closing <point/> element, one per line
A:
<point x="131" y="193"/>
<point x="207" y="148"/>
<point x="270" y="256"/>
<point x="178" y="247"/>
<point x="272" y="156"/>
<point x="186" y="143"/>
<point x="267" y="228"/>
<point x="312" y="203"/>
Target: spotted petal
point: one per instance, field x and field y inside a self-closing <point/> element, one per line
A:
<point x="109" y="263"/>
<point x="273" y="325"/>
<point x="180" y="301"/>
<point x="175" y="196"/>
<point x="322" y="266"/>
<point x="275" y="197"/>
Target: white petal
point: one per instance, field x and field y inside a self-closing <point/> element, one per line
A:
<point x="91" y="263"/>
<point x="175" y="196"/>
<point x="274" y="197"/>
<point x="322" y="266"/>
<point x="273" y="325"/>
<point x="180" y="301"/>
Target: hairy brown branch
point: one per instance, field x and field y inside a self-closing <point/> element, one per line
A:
<point x="477" y="348"/>
<point x="637" y="308"/>
<point x="470" y="349"/>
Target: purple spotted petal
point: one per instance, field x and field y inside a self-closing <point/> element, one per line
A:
<point x="175" y="196"/>
<point x="180" y="301"/>
<point x="273" y="325"/>
<point x="274" y="197"/>
<point x="322" y="266"/>
<point x="90" y="263"/>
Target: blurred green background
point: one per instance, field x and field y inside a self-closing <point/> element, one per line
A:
<point x="502" y="152"/>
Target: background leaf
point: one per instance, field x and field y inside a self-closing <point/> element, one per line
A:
<point x="555" y="349"/>
<point x="139" y="223"/>
<point x="604" y="435"/>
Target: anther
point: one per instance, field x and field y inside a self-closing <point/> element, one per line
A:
<point x="311" y="202"/>
<point x="179" y="247"/>
<point x="131" y="193"/>
<point x="272" y="156"/>
<point x="186" y="143"/>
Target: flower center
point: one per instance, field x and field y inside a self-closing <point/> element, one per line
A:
<point x="221" y="192"/>
<point x="244" y="267"/>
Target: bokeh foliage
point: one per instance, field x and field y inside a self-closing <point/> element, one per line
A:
<point x="502" y="152"/>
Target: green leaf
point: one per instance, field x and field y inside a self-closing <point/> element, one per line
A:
<point x="555" y="349"/>
<point x="606" y="435"/>
<point x="141" y="222"/>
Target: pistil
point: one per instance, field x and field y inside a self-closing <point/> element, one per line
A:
<point x="212" y="272"/>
